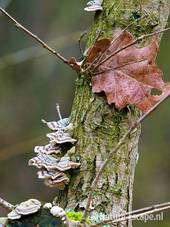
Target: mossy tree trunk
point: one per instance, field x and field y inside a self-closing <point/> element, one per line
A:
<point x="98" y="126"/>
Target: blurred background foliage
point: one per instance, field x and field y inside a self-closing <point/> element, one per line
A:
<point x="32" y="81"/>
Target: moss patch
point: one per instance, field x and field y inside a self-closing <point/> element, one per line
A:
<point x="76" y="216"/>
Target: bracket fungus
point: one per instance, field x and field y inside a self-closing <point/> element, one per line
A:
<point x="30" y="206"/>
<point x="45" y="174"/>
<point x="44" y="161"/>
<point x="60" y="137"/>
<point x="53" y="178"/>
<point x="52" y="160"/>
<point x="58" y="182"/>
<point x="47" y="149"/>
<point x="57" y="125"/>
<point x="13" y="215"/>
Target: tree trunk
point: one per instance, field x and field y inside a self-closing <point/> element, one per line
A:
<point x="98" y="126"/>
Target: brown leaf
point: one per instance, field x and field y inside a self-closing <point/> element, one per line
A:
<point x="99" y="47"/>
<point x="129" y="76"/>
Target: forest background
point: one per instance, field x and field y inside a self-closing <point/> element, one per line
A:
<point x="32" y="81"/>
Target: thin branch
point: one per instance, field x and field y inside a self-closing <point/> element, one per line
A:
<point x="6" y="204"/>
<point x="135" y="214"/>
<point x="35" y="37"/>
<point x="120" y="143"/>
<point x="131" y="44"/>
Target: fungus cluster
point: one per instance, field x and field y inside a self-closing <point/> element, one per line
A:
<point x="52" y="160"/>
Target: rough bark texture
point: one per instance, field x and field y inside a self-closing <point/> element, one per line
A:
<point x="98" y="126"/>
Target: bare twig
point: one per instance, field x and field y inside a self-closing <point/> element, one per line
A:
<point x="5" y="204"/>
<point x="131" y="44"/>
<point x="110" y="155"/>
<point x="135" y="214"/>
<point x="35" y="37"/>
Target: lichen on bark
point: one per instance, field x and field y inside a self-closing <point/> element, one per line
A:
<point x="98" y="126"/>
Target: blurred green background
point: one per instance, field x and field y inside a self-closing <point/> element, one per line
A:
<point x="32" y="81"/>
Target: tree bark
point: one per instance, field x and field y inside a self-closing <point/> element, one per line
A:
<point x="98" y="126"/>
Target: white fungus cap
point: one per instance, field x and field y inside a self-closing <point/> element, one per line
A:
<point x="13" y="215"/>
<point x="57" y="211"/>
<point x="47" y="206"/>
<point x="28" y="207"/>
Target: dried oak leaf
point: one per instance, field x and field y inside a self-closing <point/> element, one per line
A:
<point x="129" y="76"/>
<point x="99" y="47"/>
